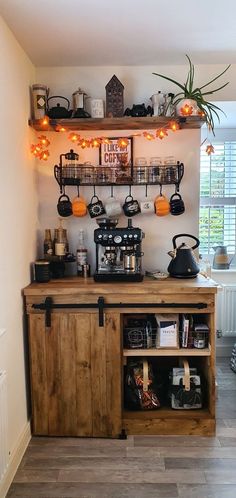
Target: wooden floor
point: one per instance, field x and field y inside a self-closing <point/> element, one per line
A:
<point x="141" y="467"/>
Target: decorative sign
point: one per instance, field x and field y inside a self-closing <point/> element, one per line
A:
<point x="119" y="151"/>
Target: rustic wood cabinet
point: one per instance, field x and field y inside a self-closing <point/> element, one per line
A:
<point x="75" y="374"/>
<point x="77" y="356"/>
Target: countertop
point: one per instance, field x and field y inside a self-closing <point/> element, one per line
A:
<point x="79" y="285"/>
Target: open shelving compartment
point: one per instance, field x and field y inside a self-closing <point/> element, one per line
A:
<point x="166" y="420"/>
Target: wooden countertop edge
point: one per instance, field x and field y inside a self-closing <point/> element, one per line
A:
<point x="75" y="285"/>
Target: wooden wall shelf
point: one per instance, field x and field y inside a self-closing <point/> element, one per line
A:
<point x="167" y="352"/>
<point x="124" y="123"/>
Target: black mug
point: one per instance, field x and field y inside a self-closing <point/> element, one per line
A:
<point x="95" y="208"/>
<point x="176" y="204"/>
<point x="131" y="207"/>
<point x="64" y="206"/>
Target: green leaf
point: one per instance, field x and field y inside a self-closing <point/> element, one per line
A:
<point x="172" y="81"/>
<point x="215" y="90"/>
<point x="216" y="78"/>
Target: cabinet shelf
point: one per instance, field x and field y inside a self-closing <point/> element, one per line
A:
<point x="124" y="123"/>
<point x="167" y="352"/>
<point x="165" y="412"/>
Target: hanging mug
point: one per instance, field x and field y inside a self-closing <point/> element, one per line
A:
<point x="95" y="207"/>
<point x="131" y="207"/>
<point x="147" y="206"/>
<point x="176" y="204"/>
<point x="162" y="205"/>
<point x="79" y="207"/>
<point x="64" y="206"/>
<point x="113" y="207"/>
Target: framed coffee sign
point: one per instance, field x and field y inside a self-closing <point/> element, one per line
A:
<point x="119" y="151"/>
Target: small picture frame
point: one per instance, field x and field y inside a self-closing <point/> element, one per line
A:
<point x="114" y="154"/>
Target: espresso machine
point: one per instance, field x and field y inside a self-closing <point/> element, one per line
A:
<point x="118" y="252"/>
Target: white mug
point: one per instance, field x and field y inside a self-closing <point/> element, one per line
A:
<point x="113" y="207"/>
<point x="147" y="206"/>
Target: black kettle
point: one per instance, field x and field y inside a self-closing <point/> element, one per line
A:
<point x="59" y="112"/>
<point x="183" y="263"/>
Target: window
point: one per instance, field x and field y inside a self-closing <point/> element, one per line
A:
<point x="218" y="198"/>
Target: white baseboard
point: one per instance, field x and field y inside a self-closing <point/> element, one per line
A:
<point x="15" y="460"/>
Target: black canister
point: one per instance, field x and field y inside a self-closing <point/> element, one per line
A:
<point x="42" y="270"/>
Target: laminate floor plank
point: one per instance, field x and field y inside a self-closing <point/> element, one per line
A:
<point x="186" y="441"/>
<point x="94" y="463"/>
<point x="133" y="476"/>
<point x="75" y="451"/>
<point x="31" y="475"/>
<point x="82" y="442"/>
<point x="206" y="491"/>
<point x="230" y="422"/>
<point x="78" y="490"/>
<point x="201" y="463"/>
<point x="183" y="452"/>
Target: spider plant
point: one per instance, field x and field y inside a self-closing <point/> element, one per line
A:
<point x="188" y="91"/>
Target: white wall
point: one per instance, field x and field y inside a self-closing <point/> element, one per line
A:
<point x="17" y="219"/>
<point x="184" y="145"/>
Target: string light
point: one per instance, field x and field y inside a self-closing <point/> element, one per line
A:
<point x="148" y="136"/>
<point x="123" y="143"/>
<point x="74" y="137"/>
<point x="44" y="155"/>
<point x="174" y="126"/>
<point x="186" y="110"/>
<point x="44" y="141"/>
<point x="45" y="121"/>
<point x="210" y="149"/>
<point x="161" y="133"/>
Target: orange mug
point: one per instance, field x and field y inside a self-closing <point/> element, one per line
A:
<point x="162" y="205"/>
<point x="79" y="207"/>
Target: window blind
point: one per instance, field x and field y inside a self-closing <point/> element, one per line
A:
<point x="218" y="198"/>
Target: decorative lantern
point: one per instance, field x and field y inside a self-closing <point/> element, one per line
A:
<point x="114" y="98"/>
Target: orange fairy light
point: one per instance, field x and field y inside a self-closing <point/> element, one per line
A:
<point x="95" y="142"/>
<point x="148" y="136"/>
<point x="44" y="141"/>
<point x="186" y="110"/>
<point x="161" y="133"/>
<point x="123" y="143"/>
<point x="201" y="114"/>
<point x="174" y="126"/>
<point x="45" y="121"/>
<point x="210" y="149"/>
<point x="105" y="140"/>
<point x="60" y="128"/>
<point x="44" y="155"/>
<point x="74" y="137"/>
<point x="84" y="143"/>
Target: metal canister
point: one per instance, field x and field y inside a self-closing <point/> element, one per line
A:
<point x="86" y="270"/>
<point x="39" y="93"/>
<point x="42" y="271"/>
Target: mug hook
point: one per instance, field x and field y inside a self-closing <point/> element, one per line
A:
<point x="160" y="188"/>
<point x="94" y="190"/>
<point x="78" y="190"/>
<point x="130" y="191"/>
<point x="146" y="189"/>
<point x="176" y="188"/>
<point x="112" y="191"/>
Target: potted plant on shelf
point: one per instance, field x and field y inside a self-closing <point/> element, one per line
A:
<point x="191" y="100"/>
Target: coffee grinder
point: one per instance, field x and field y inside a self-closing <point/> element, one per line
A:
<point x="118" y="252"/>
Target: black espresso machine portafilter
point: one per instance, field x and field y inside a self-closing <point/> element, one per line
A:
<point x="118" y="252"/>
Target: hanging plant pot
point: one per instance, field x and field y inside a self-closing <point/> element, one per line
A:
<point x="187" y="107"/>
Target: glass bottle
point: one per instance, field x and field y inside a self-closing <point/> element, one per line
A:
<point x="47" y="244"/>
<point x="82" y="253"/>
<point x="60" y="245"/>
<point x="66" y="241"/>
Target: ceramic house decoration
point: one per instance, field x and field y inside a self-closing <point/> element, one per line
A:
<point x="114" y="98"/>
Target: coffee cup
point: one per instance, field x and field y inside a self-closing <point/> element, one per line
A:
<point x="147" y="206"/>
<point x="113" y="207"/>
<point x="176" y="204"/>
<point x="95" y="207"/>
<point x="64" y="206"/>
<point x="79" y="207"/>
<point x="162" y="205"/>
<point x="131" y="206"/>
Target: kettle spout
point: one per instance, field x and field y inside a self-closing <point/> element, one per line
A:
<point x="171" y="254"/>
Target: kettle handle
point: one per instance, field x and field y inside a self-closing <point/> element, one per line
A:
<point x="186" y="235"/>
<point x="59" y="97"/>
